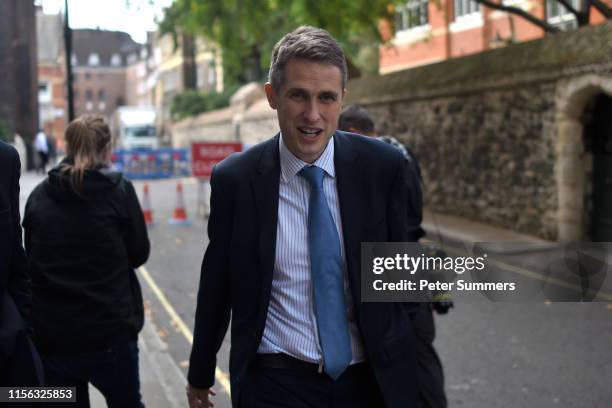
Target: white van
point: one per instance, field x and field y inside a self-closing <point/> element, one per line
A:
<point x="134" y="127"/>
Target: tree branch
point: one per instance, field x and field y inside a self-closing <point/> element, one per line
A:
<point x="521" y="13"/>
<point x="581" y="15"/>
<point x="602" y="8"/>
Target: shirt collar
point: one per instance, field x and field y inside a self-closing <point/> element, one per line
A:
<point x="291" y="165"/>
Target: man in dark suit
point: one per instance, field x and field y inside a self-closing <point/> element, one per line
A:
<point x="287" y="220"/>
<point x="19" y="362"/>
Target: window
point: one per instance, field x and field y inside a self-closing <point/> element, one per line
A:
<point x="206" y="77"/>
<point x="212" y="73"/>
<point x="94" y="59"/>
<point x="132" y="58"/>
<point x="412" y="14"/>
<point x="87" y="76"/>
<point x="557" y="14"/>
<point x="115" y="60"/>
<point x="171" y="80"/>
<point x="464" y="8"/>
<point x="88" y="95"/>
<point x="44" y="92"/>
<point x="102" y="95"/>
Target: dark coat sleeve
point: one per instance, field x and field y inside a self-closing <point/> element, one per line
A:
<point x="213" y="303"/>
<point x="136" y="235"/>
<point x="19" y="279"/>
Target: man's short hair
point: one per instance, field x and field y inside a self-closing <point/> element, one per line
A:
<point x="356" y="118"/>
<point x="308" y="43"/>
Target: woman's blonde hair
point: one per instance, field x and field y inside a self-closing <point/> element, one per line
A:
<point x="88" y="141"/>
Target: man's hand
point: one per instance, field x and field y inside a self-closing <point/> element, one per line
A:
<point x="199" y="398"/>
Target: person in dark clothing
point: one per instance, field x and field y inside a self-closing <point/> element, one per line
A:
<point x="52" y="146"/>
<point x="85" y="234"/>
<point x="19" y="361"/>
<point x="356" y="119"/>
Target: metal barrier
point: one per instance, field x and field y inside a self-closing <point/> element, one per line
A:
<point x="144" y="164"/>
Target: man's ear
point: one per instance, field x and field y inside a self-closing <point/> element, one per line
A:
<point x="271" y="95"/>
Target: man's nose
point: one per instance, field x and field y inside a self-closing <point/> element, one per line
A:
<point x="312" y="112"/>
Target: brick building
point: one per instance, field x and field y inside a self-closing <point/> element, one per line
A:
<point x="51" y="74"/>
<point x="99" y="64"/>
<point x="141" y="75"/>
<point x="430" y="31"/>
<point x="193" y="63"/>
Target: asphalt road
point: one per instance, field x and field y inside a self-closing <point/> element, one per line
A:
<point x="534" y="355"/>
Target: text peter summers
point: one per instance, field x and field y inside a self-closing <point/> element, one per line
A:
<point x="424" y="284"/>
<point x="422" y="263"/>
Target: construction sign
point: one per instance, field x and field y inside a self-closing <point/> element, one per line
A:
<point x="204" y="155"/>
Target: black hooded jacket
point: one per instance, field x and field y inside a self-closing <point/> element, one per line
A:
<point x="83" y="248"/>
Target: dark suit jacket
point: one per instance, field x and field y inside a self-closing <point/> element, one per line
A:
<point x="19" y="363"/>
<point x="376" y="188"/>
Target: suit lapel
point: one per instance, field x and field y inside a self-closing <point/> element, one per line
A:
<point x="265" y="184"/>
<point x="351" y="195"/>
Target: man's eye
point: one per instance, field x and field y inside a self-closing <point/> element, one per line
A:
<point x="328" y="98"/>
<point x="297" y="96"/>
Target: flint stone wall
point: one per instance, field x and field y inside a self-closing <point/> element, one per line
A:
<point x="484" y="127"/>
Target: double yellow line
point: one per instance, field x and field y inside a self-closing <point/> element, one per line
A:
<point x="221" y="376"/>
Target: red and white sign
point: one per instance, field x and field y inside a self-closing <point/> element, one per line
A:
<point x="205" y="155"/>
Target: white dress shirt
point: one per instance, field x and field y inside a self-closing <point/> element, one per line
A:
<point x="291" y="326"/>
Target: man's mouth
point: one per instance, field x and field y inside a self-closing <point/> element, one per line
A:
<point x="309" y="131"/>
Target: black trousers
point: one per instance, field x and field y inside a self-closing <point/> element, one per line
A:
<point x="286" y="388"/>
<point x="430" y="374"/>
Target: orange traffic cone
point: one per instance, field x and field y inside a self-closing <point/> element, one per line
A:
<point x="146" y="206"/>
<point x="179" y="217"/>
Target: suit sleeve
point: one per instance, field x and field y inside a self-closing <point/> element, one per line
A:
<point x="406" y="204"/>
<point x="213" y="304"/>
<point x="19" y="281"/>
<point x="136" y="236"/>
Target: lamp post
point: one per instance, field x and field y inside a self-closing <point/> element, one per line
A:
<point x="68" y="47"/>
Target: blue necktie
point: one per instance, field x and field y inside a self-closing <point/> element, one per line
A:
<point x="328" y="278"/>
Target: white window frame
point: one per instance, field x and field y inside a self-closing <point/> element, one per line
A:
<point x="115" y="60"/>
<point x="564" y="19"/>
<point x="414" y="33"/>
<point x="93" y="59"/>
<point x="404" y="12"/>
<point x="46" y="96"/>
<point x="468" y="21"/>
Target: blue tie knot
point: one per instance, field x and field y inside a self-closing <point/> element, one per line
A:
<point x="314" y="175"/>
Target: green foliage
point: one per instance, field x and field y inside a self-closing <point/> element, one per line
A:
<point x="5" y="132"/>
<point x="188" y="103"/>
<point x="246" y="31"/>
<point x="193" y="102"/>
